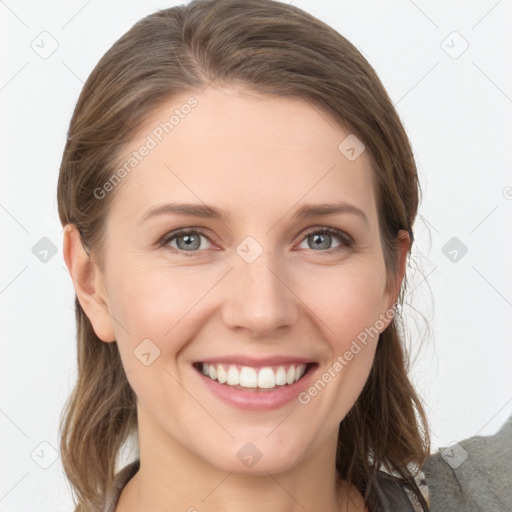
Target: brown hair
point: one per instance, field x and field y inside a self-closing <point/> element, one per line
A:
<point x="276" y="49"/>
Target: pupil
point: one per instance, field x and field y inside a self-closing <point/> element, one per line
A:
<point x="188" y="241"/>
<point x="318" y="241"/>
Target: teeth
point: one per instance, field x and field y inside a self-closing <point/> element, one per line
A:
<point x="247" y="377"/>
<point x="222" y="376"/>
<point x="233" y="377"/>
<point x="266" y="378"/>
<point x="280" y="377"/>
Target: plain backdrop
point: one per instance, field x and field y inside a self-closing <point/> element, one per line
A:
<point x="444" y="64"/>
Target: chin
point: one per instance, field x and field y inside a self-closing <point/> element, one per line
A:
<point x="259" y="455"/>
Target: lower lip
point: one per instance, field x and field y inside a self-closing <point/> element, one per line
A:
<point x="257" y="399"/>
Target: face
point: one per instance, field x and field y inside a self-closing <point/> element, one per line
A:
<point x="277" y="300"/>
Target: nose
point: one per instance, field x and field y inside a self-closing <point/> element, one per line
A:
<point x="259" y="298"/>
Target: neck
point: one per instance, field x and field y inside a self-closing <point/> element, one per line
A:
<point x="172" y="478"/>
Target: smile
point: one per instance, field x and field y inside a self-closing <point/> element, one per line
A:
<point x="267" y="377"/>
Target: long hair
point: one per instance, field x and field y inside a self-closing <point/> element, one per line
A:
<point x="275" y="49"/>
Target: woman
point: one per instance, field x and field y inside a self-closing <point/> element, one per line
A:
<point x="238" y="196"/>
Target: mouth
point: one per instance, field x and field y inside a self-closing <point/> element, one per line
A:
<point x="255" y="378"/>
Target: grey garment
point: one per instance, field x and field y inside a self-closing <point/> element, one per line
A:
<point x="480" y="483"/>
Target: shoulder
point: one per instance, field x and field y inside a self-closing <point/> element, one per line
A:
<point x="472" y="475"/>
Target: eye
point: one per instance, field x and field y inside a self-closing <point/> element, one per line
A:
<point x="321" y="238"/>
<point x="190" y="240"/>
<point x="186" y="240"/>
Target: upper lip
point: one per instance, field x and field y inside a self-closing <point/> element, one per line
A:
<point x="255" y="362"/>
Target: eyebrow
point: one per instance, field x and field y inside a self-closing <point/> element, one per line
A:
<point x="210" y="212"/>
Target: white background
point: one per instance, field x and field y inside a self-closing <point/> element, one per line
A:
<point x="457" y="112"/>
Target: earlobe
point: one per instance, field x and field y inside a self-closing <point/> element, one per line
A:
<point x="88" y="284"/>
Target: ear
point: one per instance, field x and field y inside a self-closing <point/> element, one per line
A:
<point x="88" y="283"/>
<point x="403" y="246"/>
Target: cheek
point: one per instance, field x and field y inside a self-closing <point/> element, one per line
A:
<point x="155" y="304"/>
<point x="350" y="300"/>
<point x="350" y="311"/>
<point x="151" y="301"/>
<point x="351" y="308"/>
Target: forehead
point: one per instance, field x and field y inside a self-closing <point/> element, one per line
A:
<point x="244" y="152"/>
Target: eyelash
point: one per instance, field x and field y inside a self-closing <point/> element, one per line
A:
<point x="347" y="240"/>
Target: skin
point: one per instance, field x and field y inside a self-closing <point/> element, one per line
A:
<point x="259" y="158"/>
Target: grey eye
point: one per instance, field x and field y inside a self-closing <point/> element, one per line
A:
<point x="323" y="238"/>
<point x="320" y="241"/>
<point x="190" y="241"/>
